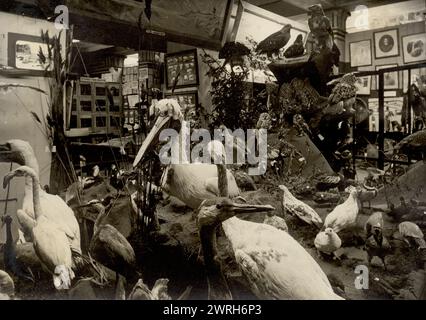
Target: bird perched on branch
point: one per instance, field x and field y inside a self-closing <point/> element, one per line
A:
<point x="297" y="49"/>
<point x="275" y="42"/>
<point x="320" y="27"/>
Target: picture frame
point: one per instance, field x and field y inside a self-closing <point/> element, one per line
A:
<point x="187" y="100"/>
<point x="364" y="86"/>
<point x="391" y="79"/>
<point x="360" y="53"/>
<point x="414" y="48"/>
<point x="183" y="64"/>
<point x="386" y="44"/>
<point x="23" y="54"/>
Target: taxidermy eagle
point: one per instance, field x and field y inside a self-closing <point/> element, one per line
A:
<point x="297" y="49"/>
<point x="272" y="44"/>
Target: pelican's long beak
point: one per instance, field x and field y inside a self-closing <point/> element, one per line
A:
<point x="152" y="138"/>
<point x="236" y="208"/>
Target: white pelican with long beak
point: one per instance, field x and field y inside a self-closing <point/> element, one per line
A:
<point x="49" y="239"/>
<point x="52" y="206"/>
<point x="275" y="265"/>
<point x="190" y="183"/>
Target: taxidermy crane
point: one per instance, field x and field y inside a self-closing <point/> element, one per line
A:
<point x="190" y="183"/>
<point x="275" y="265"/>
<point x="272" y="44"/>
<point x="52" y="206"/>
<point x="49" y="239"/>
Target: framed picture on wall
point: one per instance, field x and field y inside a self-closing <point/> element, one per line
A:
<point x="360" y="53"/>
<point x="182" y="69"/>
<point x="23" y="53"/>
<point x="414" y="47"/>
<point x="364" y="86"/>
<point x="386" y="43"/>
<point x="188" y="101"/>
<point x="391" y="79"/>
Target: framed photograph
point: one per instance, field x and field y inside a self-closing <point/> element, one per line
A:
<point x="360" y="53"/>
<point x="386" y="43"/>
<point x="391" y="78"/>
<point x="364" y="86"/>
<point x="182" y="69"/>
<point x="414" y="47"/>
<point x="188" y="100"/>
<point x="23" y="53"/>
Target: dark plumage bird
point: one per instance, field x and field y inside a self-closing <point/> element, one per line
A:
<point x="11" y="264"/>
<point x="344" y="90"/>
<point x="272" y="44"/>
<point x="296" y="49"/>
<point x="233" y="53"/>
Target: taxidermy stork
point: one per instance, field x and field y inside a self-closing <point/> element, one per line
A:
<point x="275" y="265"/>
<point x="53" y="207"/>
<point x="190" y="183"/>
<point x="49" y="239"/>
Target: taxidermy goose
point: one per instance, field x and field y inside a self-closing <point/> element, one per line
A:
<point x="52" y="206"/>
<point x="275" y="265"/>
<point x="190" y="183"/>
<point x="49" y="239"/>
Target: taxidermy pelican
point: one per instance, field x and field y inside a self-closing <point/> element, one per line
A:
<point x="190" y="183"/>
<point x="275" y="265"/>
<point x="49" y="239"/>
<point x="52" y="206"/>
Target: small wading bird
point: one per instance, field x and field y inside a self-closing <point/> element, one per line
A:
<point x="49" y="239"/>
<point x="53" y="207"/>
<point x="275" y="42"/>
<point x="190" y="183"/>
<point x="275" y="265"/>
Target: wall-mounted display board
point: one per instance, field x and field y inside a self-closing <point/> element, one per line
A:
<point x="182" y="68"/>
<point x="414" y="48"/>
<point x="187" y="100"/>
<point x="200" y="23"/>
<point x="393" y="114"/>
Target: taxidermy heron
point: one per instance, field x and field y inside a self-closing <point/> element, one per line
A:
<point x="190" y="183"/>
<point x="49" y="239"/>
<point x="275" y="264"/>
<point x="53" y="207"/>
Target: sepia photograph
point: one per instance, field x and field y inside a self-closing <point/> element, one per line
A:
<point x="205" y="157"/>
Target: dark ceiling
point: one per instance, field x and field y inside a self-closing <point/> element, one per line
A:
<point x="288" y="8"/>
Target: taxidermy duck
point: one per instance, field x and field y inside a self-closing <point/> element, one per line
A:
<point x="345" y="214"/>
<point x="49" y="239"/>
<point x="327" y="242"/>
<point x="299" y="209"/>
<point x="275" y="265"/>
<point x="190" y="183"/>
<point x="52" y="206"/>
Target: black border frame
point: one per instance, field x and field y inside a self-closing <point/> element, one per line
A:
<point x="371" y="54"/>
<point x="375" y="34"/>
<point x="403" y="50"/>
<point x="182" y="53"/>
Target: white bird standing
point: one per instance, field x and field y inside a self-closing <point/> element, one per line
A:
<point x="52" y="206"/>
<point x="275" y="264"/>
<point x="327" y="241"/>
<point x="49" y="239"/>
<point x="190" y="183"/>
<point x="345" y="214"/>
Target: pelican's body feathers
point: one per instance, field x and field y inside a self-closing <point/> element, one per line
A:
<point x="275" y="264"/>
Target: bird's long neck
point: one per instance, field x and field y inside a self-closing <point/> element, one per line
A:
<point x="36" y="195"/>
<point x="180" y="146"/>
<point x="9" y="236"/>
<point x="222" y="180"/>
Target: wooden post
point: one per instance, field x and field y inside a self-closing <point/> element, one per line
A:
<point x="381" y="137"/>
